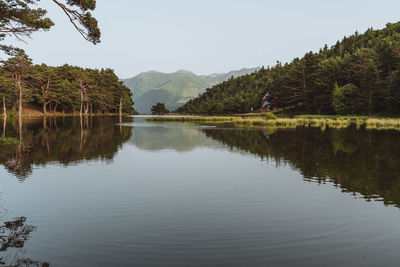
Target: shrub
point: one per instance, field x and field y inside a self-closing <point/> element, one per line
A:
<point x="270" y="116"/>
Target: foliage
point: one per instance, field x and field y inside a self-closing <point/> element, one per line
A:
<point x="369" y="61"/>
<point x="8" y="141"/>
<point x="345" y="99"/>
<point x="20" y="18"/>
<point x="270" y="116"/>
<point x="159" y="109"/>
<point x="66" y="89"/>
<point x="12" y="114"/>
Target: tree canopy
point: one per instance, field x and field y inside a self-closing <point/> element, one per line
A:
<point x="62" y="89"/>
<point x="159" y="109"/>
<point x="358" y="75"/>
<point x="20" y="18"/>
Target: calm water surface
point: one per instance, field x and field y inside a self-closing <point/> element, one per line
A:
<point x="100" y="193"/>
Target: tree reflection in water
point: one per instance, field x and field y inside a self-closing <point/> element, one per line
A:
<point x="13" y="235"/>
<point x="357" y="161"/>
<point x="62" y="140"/>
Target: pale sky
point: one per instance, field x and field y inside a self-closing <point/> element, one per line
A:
<point x="205" y="36"/>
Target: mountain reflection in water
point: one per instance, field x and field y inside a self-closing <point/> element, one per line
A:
<point x="170" y="194"/>
<point x="355" y="160"/>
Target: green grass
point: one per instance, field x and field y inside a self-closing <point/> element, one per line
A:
<point x="298" y="121"/>
<point x="8" y="141"/>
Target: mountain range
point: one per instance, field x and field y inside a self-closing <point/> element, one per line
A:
<point x="174" y="89"/>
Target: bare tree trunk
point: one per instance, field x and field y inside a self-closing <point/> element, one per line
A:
<point x="4" y="125"/>
<point x="20" y="131"/>
<point x="80" y="112"/>
<point x="45" y="123"/>
<point x="20" y="98"/>
<point x="86" y="108"/>
<point x="4" y="107"/>
<point x="120" y="107"/>
<point x="45" y="108"/>
<point x="81" y="142"/>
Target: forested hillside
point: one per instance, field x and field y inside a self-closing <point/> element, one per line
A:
<point x="173" y="89"/>
<point x="358" y="75"/>
<point x="61" y="89"/>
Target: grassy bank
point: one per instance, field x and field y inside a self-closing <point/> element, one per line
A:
<point x="298" y="121"/>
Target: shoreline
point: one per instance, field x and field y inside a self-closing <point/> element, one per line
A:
<point x="42" y="115"/>
<point x="317" y="121"/>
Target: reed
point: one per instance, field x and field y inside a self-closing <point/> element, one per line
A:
<point x="298" y="121"/>
<point x="383" y="124"/>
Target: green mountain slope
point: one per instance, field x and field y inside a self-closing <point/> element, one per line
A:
<point x="358" y="75"/>
<point x="173" y="89"/>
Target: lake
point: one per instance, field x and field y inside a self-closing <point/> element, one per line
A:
<point x="98" y="192"/>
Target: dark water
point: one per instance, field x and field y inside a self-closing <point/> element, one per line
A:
<point x="98" y="193"/>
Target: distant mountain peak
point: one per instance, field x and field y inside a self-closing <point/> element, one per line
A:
<point x="184" y="71"/>
<point x="173" y="89"/>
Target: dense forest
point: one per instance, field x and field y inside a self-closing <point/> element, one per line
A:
<point x="358" y="75"/>
<point x="64" y="89"/>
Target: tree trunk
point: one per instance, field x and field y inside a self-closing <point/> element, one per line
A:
<point x="4" y="126"/>
<point x="120" y="107"/>
<point x="80" y="112"/>
<point x="45" y="108"/>
<point x="5" y="117"/>
<point x="20" y="131"/>
<point x="4" y="107"/>
<point x="20" y="97"/>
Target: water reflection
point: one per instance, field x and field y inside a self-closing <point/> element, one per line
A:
<point x="354" y="160"/>
<point x="61" y="140"/>
<point x="175" y="136"/>
<point x="13" y="235"/>
<point x="211" y="206"/>
<point x="358" y="161"/>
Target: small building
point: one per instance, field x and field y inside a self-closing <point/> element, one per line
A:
<point x="266" y="104"/>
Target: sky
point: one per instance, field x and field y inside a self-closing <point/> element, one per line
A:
<point x="204" y="36"/>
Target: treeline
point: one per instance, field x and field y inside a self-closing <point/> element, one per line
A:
<point x="66" y="89"/>
<point x="358" y="75"/>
